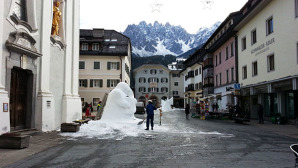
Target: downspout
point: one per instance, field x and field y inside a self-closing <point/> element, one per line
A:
<point x="120" y="69"/>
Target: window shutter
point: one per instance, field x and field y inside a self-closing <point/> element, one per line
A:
<point x="144" y="89"/>
<point x="140" y="80"/>
<point x="139" y="89"/>
<point x="144" y="80"/>
<point x="166" y="80"/>
<point x="109" y="65"/>
<point x="91" y="82"/>
<point x="157" y="80"/>
<point x="118" y="65"/>
<point x="100" y="83"/>
<point x="157" y="89"/>
<point x="149" y="89"/>
<point x="108" y="82"/>
<point x="85" y="83"/>
<point x="166" y="89"/>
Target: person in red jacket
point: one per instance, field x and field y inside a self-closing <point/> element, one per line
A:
<point x="88" y="113"/>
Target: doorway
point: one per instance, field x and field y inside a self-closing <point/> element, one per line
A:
<point x="19" y="103"/>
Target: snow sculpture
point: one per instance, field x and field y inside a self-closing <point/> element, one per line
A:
<point x="120" y="105"/>
<point x="166" y="105"/>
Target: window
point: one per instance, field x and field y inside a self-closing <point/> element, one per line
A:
<point x="145" y="71"/>
<point x="232" y="74"/>
<point x="95" y="101"/>
<point x="20" y="10"/>
<point x="164" y="89"/>
<point x="107" y="39"/>
<point x="142" y="89"/>
<point x="161" y="71"/>
<point x="142" y="80"/>
<point x="153" y="71"/>
<point x="227" y="53"/>
<point x="175" y="93"/>
<point x="216" y="80"/>
<point x="200" y="70"/>
<point x="112" y="82"/>
<point x="176" y="75"/>
<point x="83" y="82"/>
<point x="270" y="62"/>
<point x="243" y="43"/>
<point x="216" y="60"/>
<point x="196" y="72"/>
<point x="152" y="80"/>
<point x="219" y="78"/>
<point x="112" y="46"/>
<point x="254" y="68"/>
<point x="232" y="49"/>
<point x="95" y="82"/>
<point x="96" y="65"/>
<point x="164" y="80"/>
<point x="82" y="65"/>
<point x="269" y="26"/>
<point x="176" y="83"/>
<point x="113" y="39"/>
<point x="95" y="46"/>
<point x="152" y="89"/>
<point x="253" y="36"/>
<point x="84" y="46"/>
<point x="219" y="59"/>
<point x="113" y="65"/>
<point x="244" y="72"/>
<point x="227" y="74"/>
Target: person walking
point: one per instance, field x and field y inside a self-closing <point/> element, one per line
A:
<point x="260" y="114"/>
<point x="98" y="106"/>
<point x="186" y="111"/>
<point x="150" y="114"/>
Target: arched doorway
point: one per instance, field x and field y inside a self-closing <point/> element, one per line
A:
<point x="142" y="99"/>
<point x="154" y="100"/>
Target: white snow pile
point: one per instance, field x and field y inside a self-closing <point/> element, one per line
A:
<point x="166" y="105"/>
<point x="118" y="120"/>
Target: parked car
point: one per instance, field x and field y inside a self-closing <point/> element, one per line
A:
<point x="140" y="108"/>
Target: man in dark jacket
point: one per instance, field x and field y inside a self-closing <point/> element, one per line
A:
<point x="150" y="114"/>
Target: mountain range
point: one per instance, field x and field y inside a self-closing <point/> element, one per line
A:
<point x="165" y="39"/>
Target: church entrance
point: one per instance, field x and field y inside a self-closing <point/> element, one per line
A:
<point x="20" y="90"/>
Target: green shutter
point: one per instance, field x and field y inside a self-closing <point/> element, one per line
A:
<point x="91" y="82"/>
<point x="86" y="83"/>
<point x="100" y="83"/>
<point x="108" y="82"/>
<point x="109" y="65"/>
<point x="118" y="65"/>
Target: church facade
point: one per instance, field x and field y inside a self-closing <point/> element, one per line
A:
<point x="39" y="60"/>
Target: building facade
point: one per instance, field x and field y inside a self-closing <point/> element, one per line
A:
<point x="152" y="83"/>
<point x="39" y="62"/>
<point x="222" y="46"/>
<point x="193" y="79"/>
<point x="268" y="57"/>
<point x="176" y="83"/>
<point x="105" y="60"/>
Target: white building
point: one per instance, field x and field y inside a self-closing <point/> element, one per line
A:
<point x="39" y="64"/>
<point x="268" y="57"/>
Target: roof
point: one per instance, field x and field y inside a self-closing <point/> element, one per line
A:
<point x="110" y="42"/>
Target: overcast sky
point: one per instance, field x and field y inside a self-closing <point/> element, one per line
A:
<point x="189" y="14"/>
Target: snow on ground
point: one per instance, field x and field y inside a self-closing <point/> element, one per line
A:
<point x="118" y="120"/>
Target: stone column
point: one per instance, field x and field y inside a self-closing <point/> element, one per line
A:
<point x="72" y="108"/>
<point x="45" y="113"/>
<point x="4" y="116"/>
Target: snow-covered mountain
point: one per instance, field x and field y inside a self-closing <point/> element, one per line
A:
<point x="160" y="39"/>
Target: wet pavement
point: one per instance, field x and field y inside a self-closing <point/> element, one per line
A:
<point x="187" y="143"/>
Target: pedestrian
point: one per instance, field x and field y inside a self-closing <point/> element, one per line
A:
<point x="150" y="114"/>
<point x="186" y="111"/>
<point x="260" y="114"/>
<point x="98" y="106"/>
<point x="88" y="108"/>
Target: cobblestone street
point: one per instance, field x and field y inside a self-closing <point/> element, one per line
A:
<point x="188" y="143"/>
